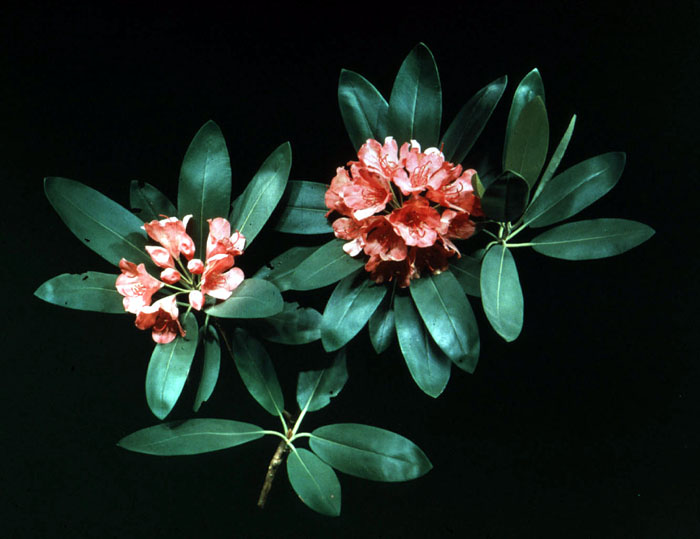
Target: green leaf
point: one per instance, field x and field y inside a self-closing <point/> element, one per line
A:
<point x="257" y="372"/>
<point x="415" y="105"/>
<point x="316" y="388"/>
<point x="556" y="158"/>
<point x="210" y="369"/>
<point x="91" y="291"/>
<point x="253" y="208"/>
<point x="528" y="142"/>
<point x="470" y="121"/>
<point x="448" y="316"/>
<point x="501" y="294"/>
<point x="314" y="482"/>
<point x="254" y="298"/>
<point x="168" y="369"/>
<point x="107" y="228"/>
<point x="467" y="271"/>
<point x="293" y="325"/>
<point x="505" y="199"/>
<point x="529" y="88"/>
<point x="328" y="264"/>
<point x="369" y="452"/>
<point x="381" y="326"/>
<point x="304" y="209"/>
<point x="348" y="309"/>
<point x="280" y="269"/>
<point x="428" y="365"/>
<point x="362" y="107"/>
<point x="190" y="437"/>
<point x="598" y="238"/>
<point x="149" y="201"/>
<point x="204" y="190"/>
<point x="575" y="189"/>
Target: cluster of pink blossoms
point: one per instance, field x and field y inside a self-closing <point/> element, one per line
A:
<point x="403" y="234"/>
<point x="215" y="277"/>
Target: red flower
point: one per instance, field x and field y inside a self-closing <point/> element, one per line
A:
<point x="416" y="222"/>
<point x="402" y="237"/>
<point x="171" y="234"/>
<point x="136" y="285"/>
<point x="162" y="317"/>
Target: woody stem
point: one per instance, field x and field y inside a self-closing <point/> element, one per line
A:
<point x="275" y="461"/>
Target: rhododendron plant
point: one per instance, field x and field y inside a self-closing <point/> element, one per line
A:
<point x="414" y="233"/>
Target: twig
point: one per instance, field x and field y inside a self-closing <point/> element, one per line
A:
<point x="277" y="459"/>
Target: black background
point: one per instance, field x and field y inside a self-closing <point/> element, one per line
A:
<point x="586" y="426"/>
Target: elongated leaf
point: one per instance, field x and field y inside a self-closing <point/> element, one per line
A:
<point x="448" y="316"/>
<point x="369" y="452"/>
<point x="362" y="107"/>
<point x="304" y="209"/>
<point x="257" y="372"/>
<point x="471" y="120"/>
<point x="190" y="437"/>
<point x="415" y="105"/>
<point x="381" y="326"/>
<point x="597" y="238"/>
<point x="428" y="365"/>
<point x="528" y="142"/>
<point x="467" y="271"/>
<point x="255" y="205"/>
<point x="314" y="482"/>
<point x="210" y="369"/>
<point x="328" y="264"/>
<point x="501" y="294"/>
<point x="293" y="325"/>
<point x="505" y="198"/>
<point x="556" y="158"/>
<point x="168" y="369"/>
<point x="204" y="190"/>
<point x="529" y="88"/>
<point x="148" y="203"/>
<point x="280" y="269"/>
<point x="316" y="388"/>
<point x="254" y="298"/>
<point x="575" y="189"/>
<point x="107" y="228"/>
<point x="90" y="291"/>
<point x="348" y="309"/>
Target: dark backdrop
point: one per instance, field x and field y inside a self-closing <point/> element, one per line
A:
<point x="586" y="426"/>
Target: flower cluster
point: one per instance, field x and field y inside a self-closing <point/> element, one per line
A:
<point x="402" y="208"/>
<point x="215" y="277"/>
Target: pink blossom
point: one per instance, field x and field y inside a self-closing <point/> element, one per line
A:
<point x="171" y="233"/>
<point x="216" y="281"/>
<point x="162" y="317"/>
<point x="416" y="222"/>
<point x="221" y="241"/>
<point x="136" y="285"/>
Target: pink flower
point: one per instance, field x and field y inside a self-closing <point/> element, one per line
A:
<point x="196" y="299"/>
<point x="334" y="195"/>
<point x="221" y="241"/>
<point x="136" y="285"/>
<point x="416" y="222"/>
<point x="368" y="194"/>
<point x="162" y="317"/>
<point x="171" y="233"/>
<point x="216" y="281"/>
<point x="382" y="160"/>
<point x="458" y="194"/>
